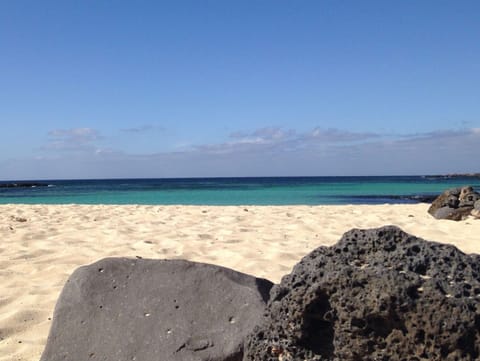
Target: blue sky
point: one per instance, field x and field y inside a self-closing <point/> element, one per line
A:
<point x="100" y="89"/>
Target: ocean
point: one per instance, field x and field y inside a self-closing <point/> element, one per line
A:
<point x="234" y="191"/>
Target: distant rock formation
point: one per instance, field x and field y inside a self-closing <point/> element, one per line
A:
<point x="455" y="204"/>
<point x="133" y="309"/>
<point x="454" y="175"/>
<point x="22" y="185"/>
<point x="378" y="294"/>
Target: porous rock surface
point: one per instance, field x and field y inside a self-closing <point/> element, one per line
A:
<point x="122" y="309"/>
<point x="455" y="204"/>
<point x="378" y="294"/>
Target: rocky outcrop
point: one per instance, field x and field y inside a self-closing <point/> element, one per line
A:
<point x="378" y="294"/>
<point x="23" y="185"/>
<point x="454" y="175"/>
<point x="123" y="309"/>
<point x="455" y="204"/>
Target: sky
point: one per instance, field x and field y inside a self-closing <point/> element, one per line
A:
<point x="122" y="89"/>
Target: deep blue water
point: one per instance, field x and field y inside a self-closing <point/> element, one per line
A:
<point x="236" y="191"/>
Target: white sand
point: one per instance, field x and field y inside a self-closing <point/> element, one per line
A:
<point x="40" y="251"/>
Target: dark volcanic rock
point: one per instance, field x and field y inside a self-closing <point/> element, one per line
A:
<point x="22" y="185"/>
<point x="453" y="214"/>
<point x="449" y="198"/>
<point x="454" y="175"/>
<point x="378" y="294"/>
<point x="469" y="199"/>
<point x="454" y="204"/>
<point x="122" y="309"/>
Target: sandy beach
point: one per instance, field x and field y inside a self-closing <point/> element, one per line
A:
<point x="43" y="244"/>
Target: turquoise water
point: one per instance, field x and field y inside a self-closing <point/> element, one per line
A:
<point x="235" y="191"/>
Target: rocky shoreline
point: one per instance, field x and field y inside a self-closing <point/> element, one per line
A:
<point x="23" y="185"/>
<point x="453" y="176"/>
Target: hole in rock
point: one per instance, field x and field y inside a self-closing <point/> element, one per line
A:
<point x="317" y="333"/>
<point x="467" y="343"/>
<point x="358" y="322"/>
<point x="383" y="325"/>
<point x="379" y="326"/>
<point x="477" y="322"/>
<point x="415" y="249"/>
<point x="420" y="269"/>
<point x="412" y="292"/>
<point x="420" y="336"/>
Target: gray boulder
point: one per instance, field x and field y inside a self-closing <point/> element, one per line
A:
<point x="464" y="191"/>
<point x="453" y="214"/>
<point x="123" y="309"/>
<point x="469" y="199"/>
<point x="454" y="204"/>
<point x="448" y="198"/>
<point x="452" y="201"/>
<point x="378" y="294"/>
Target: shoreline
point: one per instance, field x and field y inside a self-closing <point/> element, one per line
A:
<point x="43" y="244"/>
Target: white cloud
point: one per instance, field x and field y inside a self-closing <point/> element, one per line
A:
<point x="279" y="140"/>
<point x="262" y="152"/>
<point x="141" y="129"/>
<point x="74" y="139"/>
<point x="75" y="133"/>
<point x="332" y="135"/>
<point x="269" y="133"/>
